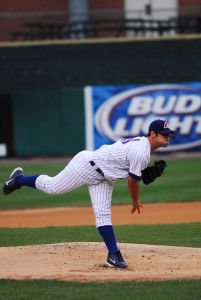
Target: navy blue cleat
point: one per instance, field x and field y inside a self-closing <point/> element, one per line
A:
<point x="116" y="260"/>
<point x="10" y="185"/>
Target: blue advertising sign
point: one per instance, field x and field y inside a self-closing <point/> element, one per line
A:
<point x="117" y="112"/>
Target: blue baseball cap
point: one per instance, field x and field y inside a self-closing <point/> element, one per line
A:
<point x="160" y="126"/>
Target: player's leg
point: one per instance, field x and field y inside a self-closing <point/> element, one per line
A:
<point x="68" y="179"/>
<point x="101" y="196"/>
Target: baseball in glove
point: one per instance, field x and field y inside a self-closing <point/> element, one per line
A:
<point x="151" y="173"/>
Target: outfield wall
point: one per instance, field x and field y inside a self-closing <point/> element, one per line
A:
<point x="44" y="84"/>
<point x="80" y="64"/>
<point x="48" y="122"/>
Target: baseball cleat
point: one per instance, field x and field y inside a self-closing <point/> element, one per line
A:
<point x="10" y="185"/>
<point x="116" y="260"/>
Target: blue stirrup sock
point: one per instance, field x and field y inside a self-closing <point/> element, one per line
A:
<point x="107" y="234"/>
<point x="27" y="180"/>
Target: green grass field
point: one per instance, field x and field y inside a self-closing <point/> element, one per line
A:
<point x="163" y="234"/>
<point x="49" y="290"/>
<point x="181" y="182"/>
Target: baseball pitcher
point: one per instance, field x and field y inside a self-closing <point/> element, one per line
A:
<point x="99" y="170"/>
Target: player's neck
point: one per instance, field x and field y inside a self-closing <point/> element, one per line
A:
<point x="154" y="146"/>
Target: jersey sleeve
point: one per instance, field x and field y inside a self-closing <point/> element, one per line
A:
<point x="138" y="162"/>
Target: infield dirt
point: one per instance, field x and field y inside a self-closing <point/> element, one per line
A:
<point x="164" y="213"/>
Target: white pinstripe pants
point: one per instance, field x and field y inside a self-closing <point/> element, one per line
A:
<point x="77" y="173"/>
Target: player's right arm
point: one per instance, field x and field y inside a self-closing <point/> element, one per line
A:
<point x="134" y="188"/>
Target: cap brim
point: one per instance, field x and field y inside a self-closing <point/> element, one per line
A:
<point x="167" y="131"/>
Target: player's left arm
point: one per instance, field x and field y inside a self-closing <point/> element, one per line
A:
<point x="134" y="188"/>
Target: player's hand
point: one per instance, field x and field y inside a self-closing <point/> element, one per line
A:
<point x="136" y="206"/>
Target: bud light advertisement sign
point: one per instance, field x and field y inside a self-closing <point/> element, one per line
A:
<point x="118" y="112"/>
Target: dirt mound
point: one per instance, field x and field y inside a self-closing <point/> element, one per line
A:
<point x="86" y="262"/>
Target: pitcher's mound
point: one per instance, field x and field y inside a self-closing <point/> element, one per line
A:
<point x="86" y="262"/>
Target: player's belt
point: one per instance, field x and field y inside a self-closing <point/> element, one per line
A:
<point x="92" y="163"/>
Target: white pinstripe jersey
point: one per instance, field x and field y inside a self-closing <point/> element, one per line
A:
<point x="117" y="161"/>
<point x="123" y="158"/>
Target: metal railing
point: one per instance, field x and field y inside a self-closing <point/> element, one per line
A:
<point x="107" y="28"/>
<point x="101" y="23"/>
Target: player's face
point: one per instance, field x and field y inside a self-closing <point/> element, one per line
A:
<point x="162" y="140"/>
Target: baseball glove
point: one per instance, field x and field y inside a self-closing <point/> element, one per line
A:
<point x="151" y="173"/>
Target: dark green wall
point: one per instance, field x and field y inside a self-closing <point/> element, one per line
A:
<point x="49" y="122"/>
<point x="38" y="67"/>
<point x="48" y="113"/>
